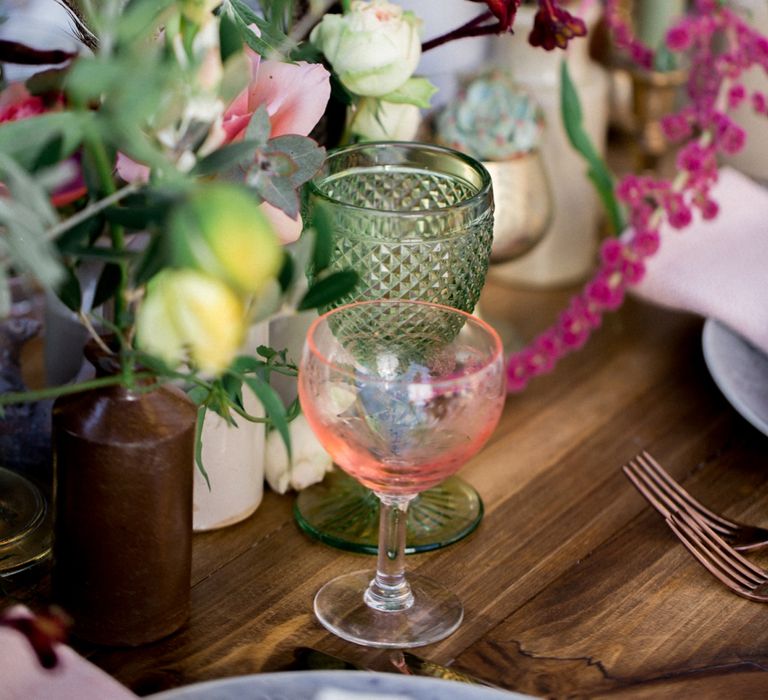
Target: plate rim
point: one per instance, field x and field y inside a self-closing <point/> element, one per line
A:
<point x="473" y="690"/>
<point x="713" y="329"/>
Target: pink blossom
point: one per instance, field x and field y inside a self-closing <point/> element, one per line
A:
<point x="294" y="94"/>
<point x="679" y="37"/>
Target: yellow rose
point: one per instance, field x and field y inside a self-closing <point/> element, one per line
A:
<point x="189" y="316"/>
<point x="221" y="230"/>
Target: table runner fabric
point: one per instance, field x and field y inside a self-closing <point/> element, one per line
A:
<point x="718" y="268"/>
<point x="73" y="678"/>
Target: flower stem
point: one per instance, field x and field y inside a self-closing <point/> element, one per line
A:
<point x="12" y="397"/>
<point x="471" y="28"/>
<point x="92" y="209"/>
<point x="98" y="153"/>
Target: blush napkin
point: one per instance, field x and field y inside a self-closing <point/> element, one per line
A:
<point x="73" y="678"/>
<point x="718" y="268"/>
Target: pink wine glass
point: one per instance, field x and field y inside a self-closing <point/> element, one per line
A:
<point x="402" y="394"/>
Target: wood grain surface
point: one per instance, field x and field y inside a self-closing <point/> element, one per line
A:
<point x="572" y="585"/>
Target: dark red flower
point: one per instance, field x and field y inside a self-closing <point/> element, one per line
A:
<point x="504" y="11"/>
<point x="42" y="631"/>
<point x="554" y="27"/>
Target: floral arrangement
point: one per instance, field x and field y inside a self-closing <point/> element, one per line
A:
<point x="184" y="184"/>
<point x="719" y="46"/>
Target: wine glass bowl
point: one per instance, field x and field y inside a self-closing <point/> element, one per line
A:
<point x="401" y="394"/>
<point x="413" y="220"/>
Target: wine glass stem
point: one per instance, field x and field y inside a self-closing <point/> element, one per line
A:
<point x="389" y="591"/>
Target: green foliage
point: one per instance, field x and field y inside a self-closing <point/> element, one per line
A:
<point x="597" y="171"/>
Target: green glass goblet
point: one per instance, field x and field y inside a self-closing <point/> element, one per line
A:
<point x="415" y="221"/>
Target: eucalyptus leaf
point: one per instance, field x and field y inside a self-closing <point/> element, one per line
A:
<point x="329" y="289"/>
<point x="227" y="157"/>
<point x="259" y="127"/>
<point x="280" y="164"/>
<point x="303" y="151"/>
<point x="276" y="190"/>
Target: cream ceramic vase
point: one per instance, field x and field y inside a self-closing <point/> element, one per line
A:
<point x="233" y="458"/>
<point x="567" y="253"/>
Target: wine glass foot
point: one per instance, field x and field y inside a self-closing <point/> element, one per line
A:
<point x="25" y="532"/>
<point x="434" y="615"/>
<point x="344" y="514"/>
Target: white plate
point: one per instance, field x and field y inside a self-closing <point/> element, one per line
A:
<point x="307" y="685"/>
<point x="740" y="371"/>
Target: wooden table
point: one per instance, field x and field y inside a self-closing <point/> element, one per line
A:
<point x="572" y="585"/>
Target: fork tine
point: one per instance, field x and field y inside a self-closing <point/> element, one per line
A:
<point x="721" y="557"/>
<point x="719" y="544"/>
<point x="647" y="487"/>
<point x="653" y="467"/>
<point x="703" y="555"/>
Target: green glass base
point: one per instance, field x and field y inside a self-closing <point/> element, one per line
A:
<point x="342" y="513"/>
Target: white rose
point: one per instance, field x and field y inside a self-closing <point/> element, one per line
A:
<point x="374" y="48"/>
<point x="376" y="120"/>
<point x="310" y="460"/>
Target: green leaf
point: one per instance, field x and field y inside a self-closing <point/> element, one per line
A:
<point x="109" y="281"/>
<point x="69" y="291"/>
<point x="244" y="364"/>
<point x="276" y="190"/>
<point x="25" y="139"/>
<point x="280" y="164"/>
<point x="322" y="223"/>
<point x="76" y="237"/>
<point x="414" y="91"/>
<point x="304" y="152"/>
<point x="152" y="261"/>
<point x="230" y="156"/>
<point x="271" y="41"/>
<point x="285" y="277"/>
<point x="598" y="171"/>
<point x="259" y="127"/>
<point x="230" y="40"/>
<point x="329" y="289"/>
<point x="201" y="411"/>
<point x="273" y="407"/>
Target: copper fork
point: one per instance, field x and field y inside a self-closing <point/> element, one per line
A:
<point x="667" y="496"/>
<point x="719" y="558"/>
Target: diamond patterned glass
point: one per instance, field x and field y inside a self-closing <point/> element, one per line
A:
<point x="415" y="221"/>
